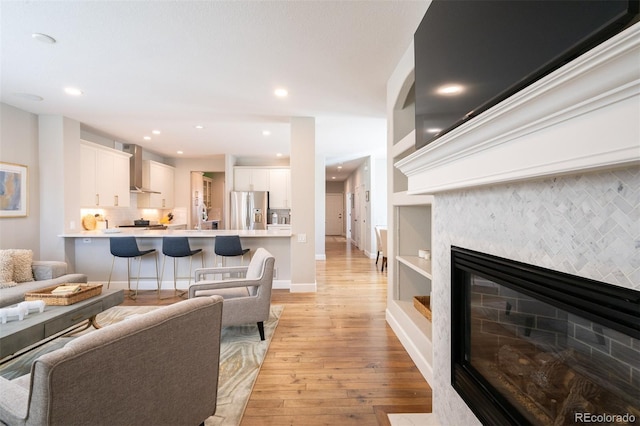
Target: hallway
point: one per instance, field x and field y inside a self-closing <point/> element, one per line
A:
<point x="333" y="359"/>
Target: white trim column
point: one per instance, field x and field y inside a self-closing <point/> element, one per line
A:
<point x="303" y="217"/>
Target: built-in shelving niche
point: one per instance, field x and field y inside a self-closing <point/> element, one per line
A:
<point x="409" y="224"/>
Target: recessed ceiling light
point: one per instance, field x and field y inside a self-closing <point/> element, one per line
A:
<point x="199" y="127"/>
<point x="155" y="132"/>
<point x="434" y="130"/>
<point x="339" y="167"/>
<point x="179" y="152"/>
<point x="28" y="96"/>
<point x="266" y="133"/>
<point x="72" y="91"/>
<point x="281" y="93"/>
<point x="450" y="89"/>
<point x="333" y="177"/>
<point x="43" y="38"/>
<point x="147" y="138"/>
<point x="279" y="154"/>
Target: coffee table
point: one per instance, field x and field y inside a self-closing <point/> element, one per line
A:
<point x="45" y="326"/>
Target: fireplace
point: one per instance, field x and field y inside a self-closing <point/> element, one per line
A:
<point x="535" y="346"/>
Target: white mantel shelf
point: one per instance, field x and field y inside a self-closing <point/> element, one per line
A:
<point x="583" y="116"/>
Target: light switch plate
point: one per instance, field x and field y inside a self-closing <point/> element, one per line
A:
<point x="302" y="238"/>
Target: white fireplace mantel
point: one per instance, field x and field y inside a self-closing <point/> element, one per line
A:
<point x="583" y="116"/>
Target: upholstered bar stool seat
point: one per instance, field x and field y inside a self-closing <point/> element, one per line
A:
<point x="127" y="247"/>
<point x="177" y="247"/>
<point x="229" y="246"/>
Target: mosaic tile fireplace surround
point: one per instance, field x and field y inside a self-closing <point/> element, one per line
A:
<point x="584" y="225"/>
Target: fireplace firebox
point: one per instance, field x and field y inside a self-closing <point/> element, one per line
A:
<point x="532" y="346"/>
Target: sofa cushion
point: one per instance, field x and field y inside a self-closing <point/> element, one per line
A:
<point x="6" y="268"/>
<point x="8" y="284"/>
<point x="22" y="260"/>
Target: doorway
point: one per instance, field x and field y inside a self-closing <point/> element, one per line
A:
<point x="207" y="188"/>
<point x="334" y="214"/>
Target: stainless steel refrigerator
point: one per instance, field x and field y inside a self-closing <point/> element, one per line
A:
<point x="249" y="209"/>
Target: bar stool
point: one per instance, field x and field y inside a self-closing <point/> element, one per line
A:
<point x="127" y="247"/>
<point x="178" y="247"/>
<point x="229" y="246"/>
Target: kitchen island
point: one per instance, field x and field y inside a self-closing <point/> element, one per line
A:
<point x="88" y="252"/>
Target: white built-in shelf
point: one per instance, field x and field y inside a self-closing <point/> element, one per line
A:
<point x="418" y="264"/>
<point x="405" y="144"/>
<point x="404" y="199"/>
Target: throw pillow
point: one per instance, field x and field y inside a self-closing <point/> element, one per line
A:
<point x="22" y="260"/>
<point x="6" y="267"/>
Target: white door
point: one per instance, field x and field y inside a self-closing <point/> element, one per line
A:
<point x="349" y="218"/>
<point x="334" y="214"/>
<point x="356" y="218"/>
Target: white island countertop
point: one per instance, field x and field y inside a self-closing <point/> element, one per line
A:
<point x="88" y="252"/>
<point x="191" y="233"/>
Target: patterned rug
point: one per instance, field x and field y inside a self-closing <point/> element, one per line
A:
<point x="241" y="355"/>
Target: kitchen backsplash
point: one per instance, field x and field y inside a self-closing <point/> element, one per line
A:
<point x="284" y="215"/>
<point x="126" y="216"/>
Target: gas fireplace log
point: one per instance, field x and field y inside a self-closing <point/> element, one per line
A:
<point x="582" y="392"/>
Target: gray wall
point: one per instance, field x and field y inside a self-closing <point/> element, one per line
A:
<point x="19" y="145"/>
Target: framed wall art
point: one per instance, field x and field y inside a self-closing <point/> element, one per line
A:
<point x="13" y="190"/>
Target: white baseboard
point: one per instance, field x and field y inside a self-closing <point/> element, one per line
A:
<point x="304" y="288"/>
<point x="402" y="330"/>
<point x="282" y="284"/>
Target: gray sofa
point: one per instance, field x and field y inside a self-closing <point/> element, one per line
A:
<point x="46" y="273"/>
<point x="158" y="368"/>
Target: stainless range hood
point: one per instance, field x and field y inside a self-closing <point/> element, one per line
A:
<point x="135" y="170"/>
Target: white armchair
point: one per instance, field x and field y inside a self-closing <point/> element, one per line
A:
<point x="246" y="299"/>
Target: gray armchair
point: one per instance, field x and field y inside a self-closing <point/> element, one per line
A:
<point x="246" y="299"/>
<point x="158" y="368"/>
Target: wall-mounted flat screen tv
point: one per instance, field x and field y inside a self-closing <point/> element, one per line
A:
<point x="470" y="55"/>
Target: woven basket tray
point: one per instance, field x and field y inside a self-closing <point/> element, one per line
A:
<point x="423" y="305"/>
<point x="87" y="291"/>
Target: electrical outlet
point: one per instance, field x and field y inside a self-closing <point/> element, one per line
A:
<point x="302" y="238"/>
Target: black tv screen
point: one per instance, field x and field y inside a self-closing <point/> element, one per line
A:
<point x="493" y="49"/>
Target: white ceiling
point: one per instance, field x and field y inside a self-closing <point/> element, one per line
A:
<point x="171" y="65"/>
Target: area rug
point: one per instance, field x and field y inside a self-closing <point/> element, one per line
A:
<point x="241" y="355"/>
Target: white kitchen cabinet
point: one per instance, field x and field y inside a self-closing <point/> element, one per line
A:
<point x="279" y="188"/>
<point x="105" y="176"/>
<point x="250" y="179"/>
<point x="160" y="178"/>
<point x="88" y="165"/>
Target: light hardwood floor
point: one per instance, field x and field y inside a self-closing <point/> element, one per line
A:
<point x="333" y="359"/>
